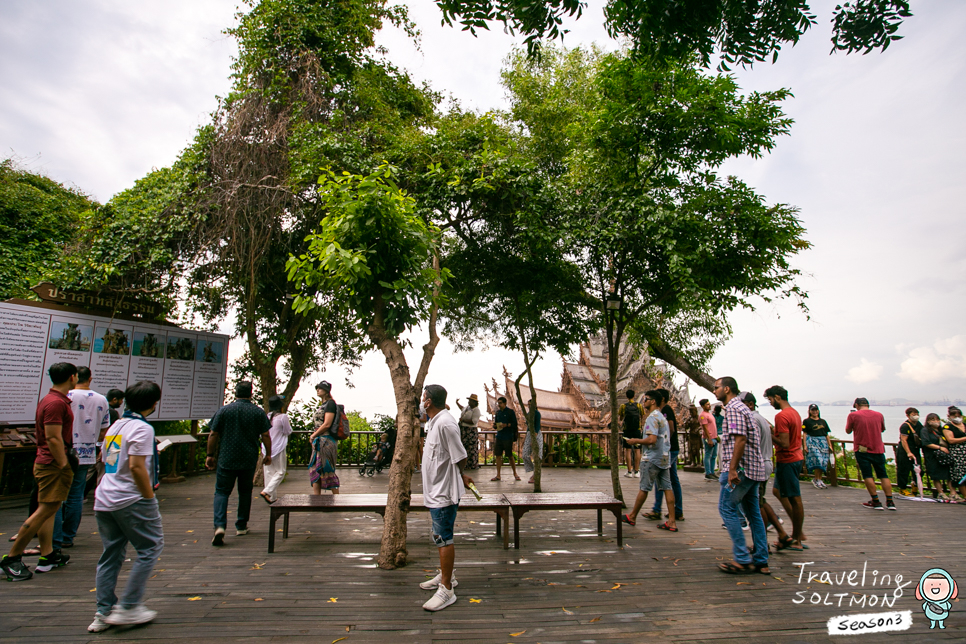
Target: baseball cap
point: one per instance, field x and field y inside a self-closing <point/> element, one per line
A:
<point x="747" y="396"/>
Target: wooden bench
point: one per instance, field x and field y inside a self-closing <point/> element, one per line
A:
<point x="520" y="504"/>
<point x="288" y="503"/>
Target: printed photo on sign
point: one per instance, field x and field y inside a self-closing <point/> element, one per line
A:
<point x="148" y="345"/>
<point x="180" y="348"/>
<point x="70" y="336"/>
<point x="112" y="451"/>
<point x="113" y="341"/>
<point x="209" y="351"/>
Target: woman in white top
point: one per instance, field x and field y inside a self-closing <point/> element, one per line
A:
<point x="280" y="431"/>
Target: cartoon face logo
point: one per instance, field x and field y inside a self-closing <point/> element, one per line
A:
<point x="936" y="590"/>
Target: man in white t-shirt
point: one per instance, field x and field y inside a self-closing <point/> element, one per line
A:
<point x="91" y="419"/>
<point x="127" y="511"/>
<point x="444" y="459"/>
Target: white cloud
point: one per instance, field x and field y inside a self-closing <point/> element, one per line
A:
<point x="944" y="359"/>
<point x="865" y="372"/>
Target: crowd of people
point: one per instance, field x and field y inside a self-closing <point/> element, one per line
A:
<point x="78" y="429"/>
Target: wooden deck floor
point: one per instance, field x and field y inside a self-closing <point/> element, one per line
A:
<point x="565" y="584"/>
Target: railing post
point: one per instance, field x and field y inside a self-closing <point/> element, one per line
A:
<point x="834" y="479"/>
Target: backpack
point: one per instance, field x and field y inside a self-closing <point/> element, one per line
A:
<point x="340" y="423"/>
<point x="632" y="416"/>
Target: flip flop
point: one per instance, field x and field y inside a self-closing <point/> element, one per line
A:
<point x="516" y="477"/>
<point x="495" y="478"/>
<point x="626" y="519"/>
<point x="665" y="526"/>
<point x="760" y="569"/>
<point x="653" y="516"/>
<point x="732" y="568"/>
<point x="265" y="496"/>
<point x="31" y="552"/>
<point x="783" y="544"/>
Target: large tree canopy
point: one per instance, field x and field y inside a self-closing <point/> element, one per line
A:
<point x="740" y="31"/>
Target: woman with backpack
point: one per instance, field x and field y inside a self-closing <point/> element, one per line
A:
<point x="325" y="443"/>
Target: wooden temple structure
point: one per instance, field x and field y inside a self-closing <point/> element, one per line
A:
<point x="582" y="402"/>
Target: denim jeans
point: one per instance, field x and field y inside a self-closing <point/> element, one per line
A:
<point x="675" y="485"/>
<point x="69" y="514"/>
<point x="140" y="525"/>
<point x="729" y="512"/>
<point x="710" y="455"/>
<point x="224" y="484"/>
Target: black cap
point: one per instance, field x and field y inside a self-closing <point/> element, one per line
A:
<point x="747" y="396"/>
<point x="325" y="386"/>
<point x="813" y="406"/>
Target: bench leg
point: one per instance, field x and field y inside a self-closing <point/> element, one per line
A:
<point x="506" y="528"/>
<point x="600" y="522"/>
<point x="517" y="513"/>
<point x="272" y="518"/>
<point x="285" y="527"/>
<point x="620" y="529"/>
<point x="498" y="519"/>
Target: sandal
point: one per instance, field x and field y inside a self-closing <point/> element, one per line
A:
<point x="783" y="543"/>
<point x="665" y="526"/>
<point x="31" y="552"/>
<point x="626" y="519"/>
<point x="516" y="477"/>
<point x="762" y="569"/>
<point x="653" y="516"/>
<point x="733" y="568"/>
<point x="495" y="478"/>
<point x="265" y="496"/>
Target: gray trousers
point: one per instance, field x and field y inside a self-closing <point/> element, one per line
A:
<point x="140" y="525"/>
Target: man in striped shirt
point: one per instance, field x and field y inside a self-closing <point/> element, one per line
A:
<point x="741" y="454"/>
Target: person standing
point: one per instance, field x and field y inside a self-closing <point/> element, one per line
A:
<point x="655" y="460"/>
<point x="629" y="415"/>
<point x="932" y="444"/>
<point x="325" y="442"/>
<point x="909" y="453"/>
<point x="233" y="448"/>
<point x="868" y="426"/>
<point x="765" y="430"/>
<point x="817" y="446"/>
<point x="506" y="435"/>
<point x="127" y="512"/>
<point x="469" y="434"/>
<point x="741" y="453"/>
<point x="528" y="459"/>
<point x="53" y="473"/>
<point x="787" y="438"/>
<point x="91" y="419"/>
<point x="444" y="483"/>
<point x="280" y="431"/>
<point x="709" y="435"/>
<point x="956" y="440"/>
<point x="672" y="422"/>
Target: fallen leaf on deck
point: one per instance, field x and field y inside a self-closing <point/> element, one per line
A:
<point x="596" y="619"/>
<point x="333" y="600"/>
<point x="189" y="531"/>
<point x="193" y="599"/>
<point x="518" y="634"/>
<point x="259" y="599"/>
<point x="475" y="601"/>
<point x="346" y="629"/>
<point x="569" y="612"/>
<point x="616" y="586"/>
<point x="819" y="581"/>
<point x="603" y="591"/>
<point x="746" y="583"/>
<point x="472" y="521"/>
<point x="779" y="579"/>
<point x="257" y="566"/>
<point x="339" y="640"/>
<point x="92" y="590"/>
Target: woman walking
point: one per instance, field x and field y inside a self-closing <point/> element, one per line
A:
<point x="280" y="431"/>
<point x="932" y="446"/>
<point x="956" y="439"/>
<point x="469" y="434"/>
<point x="818" y="446"/>
<point x="325" y="443"/>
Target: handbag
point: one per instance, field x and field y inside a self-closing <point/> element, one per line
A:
<point x="944" y="458"/>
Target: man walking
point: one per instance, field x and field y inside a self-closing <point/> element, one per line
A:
<point x="127" y="512"/>
<point x="709" y="434"/>
<point x="91" y="419"/>
<point x="506" y="435"/>
<point x="655" y="460"/>
<point x="868" y="426"/>
<point x="741" y="453"/>
<point x="444" y="460"/>
<point x="789" y="458"/>
<point x="765" y="430"/>
<point x="233" y="446"/>
<point x="909" y="453"/>
<point x="53" y="474"/>
<point x="629" y="415"/>
<point x="672" y="422"/>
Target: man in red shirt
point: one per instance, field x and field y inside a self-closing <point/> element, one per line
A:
<point x="868" y="425"/>
<point x="53" y="473"/>
<point x="787" y="437"/>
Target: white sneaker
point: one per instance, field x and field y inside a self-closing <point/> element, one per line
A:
<point x="140" y="614"/>
<point x="441" y="599"/>
<point x="629" y="475"/>
<point x="98" y="625"/>
<point x="219" y="538"/>
<point x="432" y="584"/>
<point x="816" y="484"/>
<point x="241" y="533"/>
<point x="637" y="474"/>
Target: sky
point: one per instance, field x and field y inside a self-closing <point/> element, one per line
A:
<point x="97" y="94"/>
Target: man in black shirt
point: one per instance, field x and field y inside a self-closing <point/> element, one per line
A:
<point x="908" y="452"/>
<point x="672" y="422"/>
<point x="233" y="447"/>
<point x="506" y="435"/>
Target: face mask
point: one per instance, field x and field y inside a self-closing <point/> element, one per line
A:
<point x="914" y="418"/>
<point x="934" y="425"/>
<point x="957" y="420"/>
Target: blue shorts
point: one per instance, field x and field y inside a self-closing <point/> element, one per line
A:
<point x="444" y="520"/>
<point x="786" y="479"/>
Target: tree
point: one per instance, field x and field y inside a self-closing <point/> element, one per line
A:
<point x="739" y="31"/>
<point x="381" y="257"/>
<point x="38" y="218"/>
<point x="665" y="246"/>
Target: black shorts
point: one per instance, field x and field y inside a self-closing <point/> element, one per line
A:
<point x="786" y="479"/>
<point x="869" y="462"/>
<point x="632" y="433"/>
<point x="502" y="446"/>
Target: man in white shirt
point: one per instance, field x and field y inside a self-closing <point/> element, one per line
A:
<point x="91" y="419"/>
<point x="127" y="512"/>
<point x="444" y="459"/>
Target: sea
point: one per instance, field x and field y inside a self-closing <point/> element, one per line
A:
<point x="836" y="416"/>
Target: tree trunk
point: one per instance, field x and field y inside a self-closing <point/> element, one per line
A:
<point x="530" y="418"/>
<point x="660" y="350"/>
<point x="613" y="346"/>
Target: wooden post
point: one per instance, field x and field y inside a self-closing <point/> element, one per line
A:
<point x="192" y="449"/>
<point x="834" y="478"/>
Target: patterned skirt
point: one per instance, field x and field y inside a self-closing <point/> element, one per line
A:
<point x="817" y="458"/>
<point x="528" y="451"/>
<point x="325" y="454"/>
<point x="958" y="469"/>
<point x="470" y="437"/>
